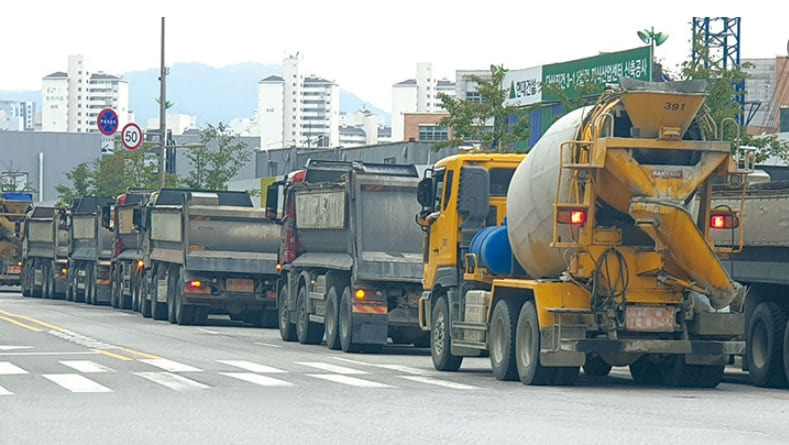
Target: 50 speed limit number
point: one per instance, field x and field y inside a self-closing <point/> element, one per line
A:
<point x="131" y="136"/>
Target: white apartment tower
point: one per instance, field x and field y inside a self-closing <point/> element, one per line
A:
<point x="418" y="95"/>
<point x="72" y="100"/>
<point x="294" y="110"/>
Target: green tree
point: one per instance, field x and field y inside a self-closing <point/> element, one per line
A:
<point x="489" y="122"/>
<point x="218" y="159"/>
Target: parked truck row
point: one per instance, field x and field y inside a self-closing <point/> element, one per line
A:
<point x="626" y="237"/>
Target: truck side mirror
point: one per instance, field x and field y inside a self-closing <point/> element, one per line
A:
<point x="424" y="192"/>
<point x="274" y="194"/>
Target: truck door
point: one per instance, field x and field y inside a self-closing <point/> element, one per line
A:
<point x="441" y="248"/>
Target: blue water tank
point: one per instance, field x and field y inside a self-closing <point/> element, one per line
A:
<point x="491" y="245"/>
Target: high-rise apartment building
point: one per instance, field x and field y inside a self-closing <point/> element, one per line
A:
<point x="73" y="99"/>
<point x="294" y="110"/>
<point x="20" y="115"/>
<point x="419" y="95"/>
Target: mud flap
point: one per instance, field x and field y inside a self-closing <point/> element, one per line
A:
<point x="369" y="329"/>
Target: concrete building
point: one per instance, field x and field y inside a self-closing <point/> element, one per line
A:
<point x="19" y="115"/>
<point x="426" y="127"/>
<point x="465" y="87"/>
<point x="419" y="95"/>
<point x="767" y="86"/>
<point x="363" y="129"/>
<point x="73" y="99"/>
<point x="295" y="110"/>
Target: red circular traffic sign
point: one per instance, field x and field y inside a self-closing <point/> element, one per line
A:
<point x="131" y="136"/>
<point x="107" y="121"/>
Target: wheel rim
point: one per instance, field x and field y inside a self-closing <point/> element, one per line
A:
<point x="345" y="325"/>
<point x="525" y="340"/>
<point x="759" y="345"/>
<point x="497" y="343"/>
<point x="330" y="319"/>
<point x="302" y="313"/>
<point x="283" y="312"/>
<point x="438" y="343"/>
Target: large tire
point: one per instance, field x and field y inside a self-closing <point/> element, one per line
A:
<point x="308" y="332"/>
<point x="501" y="340"/>
<point x="595" y="366"/>
<point x="675" y="373"/>
<point x="145" y="293"/>
<point x="346" y="323"/>
<point x="287" y="330"/>
<point x="440" y="340"/>
<point x="527" y="348"/>
<point x="786" y="352"/>
<point x="171" y="293"/>
<point x="710" y="375"/>
<point x="114" y="288"/>
<point x="645" y="372"/>
<point x="332" y="319"/>
<point x="90" y="287"/>
<point x="45" y="272"/>
<point x="125" y="302"/>
<point x="764" y="352"/>
<point x="158" y="310"/>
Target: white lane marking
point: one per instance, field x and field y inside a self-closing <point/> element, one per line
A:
<point x="86" y="366"/>
<point x="5" y="354"/>
<point x="399" y="368"/>
<point x="5" y="392"/>
<point x="173" y="381"/>
<point x="251" y="366"/>
<point x="331" y="368"/>
<point x="437" y="382"/>
<point x="76" y="383"/>
<point x="13" y="348"/>
<point x="257" y="379"/>
<point x="8" y="368"/>
<point x="169" y="365"/>
<point x="352" y="381"/>
<point x="268" y="344"/>
<point x="208" y="331"/>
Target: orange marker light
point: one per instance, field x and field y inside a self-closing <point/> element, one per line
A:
<point x="360" y="294"/>
<point x="278" y="267"/>
<point x="195" y="284"/>
<point x="717" y="221"/>
<point x="140" y="264"/>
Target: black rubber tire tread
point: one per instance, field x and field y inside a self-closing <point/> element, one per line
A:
<point x="44" y="283"/>
<point x="501" y="339"/>
<point x="287" y="330"/>
<point x="675" y="373"/>
<point x="710" y="376"/>
<point x="595" y="366"/>
<point x="767" y="324"/>
<point x="158" y="310"/>
<point x="332" y="321"/>
<point x="644" y="372"/>
<point x="345" y="323"/>
<point x="308" y="332"/>
<point x="527" y="348"/>
<point x="440" y="341"/>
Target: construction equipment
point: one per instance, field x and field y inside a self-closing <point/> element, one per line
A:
<point x="209" y="252"/>
<point x="128" y="256"/>
<point x="762" y="265"/>
<point x="350" y="256"/>
<point x="90" y="250"/>
<point x="13" y="207"/>
<point x="600" y="262"/>
<point x="45" y="252"/>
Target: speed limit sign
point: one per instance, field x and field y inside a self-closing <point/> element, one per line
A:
<point x="131" y="136"/>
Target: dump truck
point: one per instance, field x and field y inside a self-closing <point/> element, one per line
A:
<point x="600" y="262"/>
<point x="762" y="265"/>
<point x="210" y="252"/>
<point x="13" y="208"/>
<point x="45" y="252"/>
<point x="128" y="257"/>
<point x="90" y="250"/>
<point x="350" y="257"/>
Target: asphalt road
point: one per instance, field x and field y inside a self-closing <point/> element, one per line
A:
<point x="77" y="374"/>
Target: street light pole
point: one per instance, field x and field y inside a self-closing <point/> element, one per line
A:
<point x="162" y="116"/>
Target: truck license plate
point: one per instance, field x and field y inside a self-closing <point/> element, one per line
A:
<point x="14" y="270"/>
<point x="238" y="285"/>
<point x="650" y="318"/>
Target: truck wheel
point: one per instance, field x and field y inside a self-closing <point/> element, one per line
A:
<point x="595" y="366"/>
<point x="332" y="315"/>
<point x="145" y="294"/>
<point x="114" y="290"/>
<point x="764" y="350"/>
<point x="675" y="373"/>
<point x="501" y="340"/>
<point x="26" y="277"/>
<point x="440" y="347"/>
<point x="786" y="352"/>
<point x="527" y="348"/>
<point x="90" y="287"/>
<point x="45" y="282"/>
<point x="124" y="301"/>
<point x="308" y="332"/>
<point x="645" y="372"/>
<point x="158" y="310"/>
<point x="710" y="376"/>
<point x="184" y="313"/>
<point x="50" y="283"/>
<point x="346" y="323"/>
<point x="287" y="330"/>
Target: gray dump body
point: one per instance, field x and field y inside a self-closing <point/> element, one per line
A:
<point x="127" y="234"/>
<point x="215" y="238"/>
<point x="45" y="238"/>
<point x="365" y="225"/>
<point x="89" y="240"/>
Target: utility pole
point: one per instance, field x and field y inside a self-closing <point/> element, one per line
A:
<point x="162" y="116"/>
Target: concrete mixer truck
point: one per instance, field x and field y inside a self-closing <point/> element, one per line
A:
<point x="599" y="261"/>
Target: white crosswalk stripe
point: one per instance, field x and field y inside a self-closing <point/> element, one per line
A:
<point x="352" y="381"/>
<point x="5" y="392"/>
<point x="86" y="366"/>
<point x="173" y="381"/>
<point x="169" y="365"/>
<point x="257" y="379"/>
<point x="251" y="366"/>
<point x="437" y="382"/>
<point x="8" y="368"/>
<point x="398" y="368"/>
<point x="76" y="383"/>
<point x="334" y="369"/>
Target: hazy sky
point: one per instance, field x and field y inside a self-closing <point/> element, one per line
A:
<point x="365" y="46"/>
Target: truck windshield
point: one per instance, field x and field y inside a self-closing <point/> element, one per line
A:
<point x="500" y="180"/>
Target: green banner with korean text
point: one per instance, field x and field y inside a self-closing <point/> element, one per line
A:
<point x="601" y="70"/>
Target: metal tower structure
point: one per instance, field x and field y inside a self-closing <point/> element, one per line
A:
<point x="719" y="37"/>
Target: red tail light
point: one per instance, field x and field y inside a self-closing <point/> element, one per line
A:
<point x="197" y="287"/>
<point x="574" y="217"/>
<point x="196" y="284"/>
<point x="724" y="221"/>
